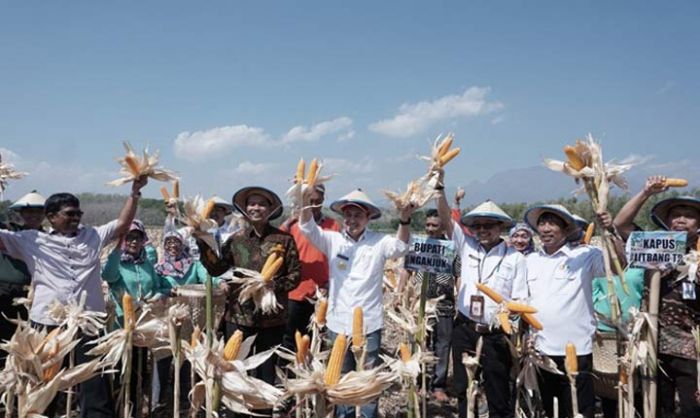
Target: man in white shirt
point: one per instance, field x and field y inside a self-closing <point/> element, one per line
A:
<point x="560" y="277"/>
<point x="486" y="259"/>
<point x="356" y="258"/>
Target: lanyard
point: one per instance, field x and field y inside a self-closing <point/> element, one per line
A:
<point x="495" y="269"/>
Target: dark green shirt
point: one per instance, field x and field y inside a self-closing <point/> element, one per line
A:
<point x="12" y="271"/>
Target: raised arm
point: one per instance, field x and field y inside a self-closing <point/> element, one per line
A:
<point x="624" y="221"/>
<point x="443" y="207"/>
<point x="129" y="210"/>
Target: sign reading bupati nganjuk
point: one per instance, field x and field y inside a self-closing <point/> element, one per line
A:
<point x="430" y="255"/>
<point x="660" y="250"/>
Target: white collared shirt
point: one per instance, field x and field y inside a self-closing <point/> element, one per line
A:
<point x="356" y="274"/>
<point x="62" y="267"/>
<point x="562" y="292"/>
<point x="502" y="269"/>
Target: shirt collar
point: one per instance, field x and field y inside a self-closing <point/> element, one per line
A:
<point x="52" y="231"/>
<point x="349" y="238"/>
<point x="252" y="232"/>
<point x="565" y="249"/>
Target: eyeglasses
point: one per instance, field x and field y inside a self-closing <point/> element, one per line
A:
<point x="72" y="213"/>
<point x="484" y="226"/>
<point x="135" y="237"/>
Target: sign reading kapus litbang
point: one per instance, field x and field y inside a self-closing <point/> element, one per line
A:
<point x="660" y="250"/>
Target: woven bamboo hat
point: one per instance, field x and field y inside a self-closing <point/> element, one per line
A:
<point x="30" y="200"/>
<point x="660" y="211"/>
<point x="359" y="198"/>
<point x="490" y="210"/>
<point x="533" y="215"/>
<point x="240" y="198"/>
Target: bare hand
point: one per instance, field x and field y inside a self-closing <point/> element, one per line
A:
<point x="171" y="207"/>
<point x="139" y="183"/>
<point x="604" y="220"/>
<point x="459" y="195"/>
<point x="654" y="185"/>
<point x="405" y="212"/>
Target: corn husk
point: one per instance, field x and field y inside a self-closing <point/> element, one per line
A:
<point x="198" y="221"/>
<point x="300" y="182"/>
<point x="8" y="172"/>
<point x="134" y="167"/>
<point x="418" y="193"/>
<point x="254" y="287"/>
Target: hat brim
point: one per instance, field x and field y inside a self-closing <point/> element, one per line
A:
<point x="533" y="214"/>
<point x="241" y="197"/>
<point x="18" y="206"/>
<point x="338" y="205"/>
<point x="660" y="211"/>
<point x="469" y="218"/>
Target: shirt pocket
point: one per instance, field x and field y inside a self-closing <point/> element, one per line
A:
<point x="565" y="282"/>
<point x="503" y="279"/>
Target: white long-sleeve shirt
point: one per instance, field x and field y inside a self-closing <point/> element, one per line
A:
<point x="356" y="274"/>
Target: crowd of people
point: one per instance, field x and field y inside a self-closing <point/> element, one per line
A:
<point x="344" y="260"/>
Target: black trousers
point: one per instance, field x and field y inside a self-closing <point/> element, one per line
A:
<point x="495" y="362"/>
<point x="554" y="385"/>
<point x="298" y="317"/>
<point x="678" y="375"/>
<point x="7" y="328"/>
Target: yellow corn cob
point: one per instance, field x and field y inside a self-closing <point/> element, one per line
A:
<point x="133" y="164"/>
<point x="335" y="361"/>
<point x="302" y="344"/>
<point x="575" y="161"/>
<point x="530" y="319"/>
<point x="505" y="322"/>
<point x="164" y="193"/>
<point x="358" y="329"/>
<point x="268" y="263"/>
<point x="51" y="371"/>
<point x="233" y="346"/>
<point x="129" y="313"/>
<point x="391" y="278"/>
<point x="51" y="335"/>
<point x="445" y="145"/>
<point x="623" y="376"/>
<point x="270" y="273"/>
<point x="311" y="176"/>
<point x="301" y="167"/>
<point x="449" y="155"/>
<point x="676" y="182"/>
<point x="196" y="332"/>
<point x="571" y="362"/>
<point x="208" y="209"/>
<point x="405" y="352"/>
<point x="321" y="311"/>
<point x="520" y="307"/>
<point x="589" y="233"/>
<point x="495" y="296"/>
<point x="176" y="189"/>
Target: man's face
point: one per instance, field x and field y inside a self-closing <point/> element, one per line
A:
<point x="355" y="219"/>
<point x="219" y="214"/>
<point x="684" y="218"/>
<point x="520" y="240"/>
<point x="316" y="200"/>
<point x="257" y="208"/>
<point x="433" y="228"/>
<point x="32" y="217"/>
<point x="487" y="230"/>
<point x="66" y="220"/>
<point x="551" y="230"/>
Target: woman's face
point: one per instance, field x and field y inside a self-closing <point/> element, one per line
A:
<point x="520" y="240"/>
<point x="134" y="242"/>
<point x="173" y="246"/>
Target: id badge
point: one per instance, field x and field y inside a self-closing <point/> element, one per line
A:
<point x="476" y="306"/>
<point x="688" y="291"/>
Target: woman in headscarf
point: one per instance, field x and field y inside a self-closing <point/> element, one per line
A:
<point x="520" y="238"/>
<point x="178" y="267"/>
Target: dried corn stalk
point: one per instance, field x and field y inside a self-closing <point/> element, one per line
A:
<point x="196" y="217"/>
<point x="134" y="167"/>
<point x="8" y="172"/>
<point x="418" y="193"/>
<point x="255" y="287"/>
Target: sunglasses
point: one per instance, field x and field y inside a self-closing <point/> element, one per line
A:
<point x="484" y="226"/>
<point x="133" y="237"/>
<point x="72" y="213"/>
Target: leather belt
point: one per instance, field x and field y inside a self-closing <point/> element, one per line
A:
<point x="476" y="326"/>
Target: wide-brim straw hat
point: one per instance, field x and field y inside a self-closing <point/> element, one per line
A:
<point x="580" y="222"/>
<point x="660" y="211"/>
<point x="489" y="210"/>
<point x="29" y="200"/>
<point x="240" y="199"/>
<point x="533" y="215"/>
<point x="221" y="202"/>
<point x="359" y="198"/>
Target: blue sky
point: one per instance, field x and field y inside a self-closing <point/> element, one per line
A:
<point x="233" y="93"/>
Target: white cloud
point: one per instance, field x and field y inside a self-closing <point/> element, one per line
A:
<point x="346" y="136"/>
<point x="415" y="118"/>
<point x="248" y="167"/>
<point x="200" y="145"/>
<point x="301" y="133"/>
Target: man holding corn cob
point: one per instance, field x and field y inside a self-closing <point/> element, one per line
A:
<point x="679" y="309"/>
<point x="65" y="262"/>
<point x="249" y="249"/>
<point x="560" y="277"/>
<point x="488" y="260"/>
<point x="356" y="258"/>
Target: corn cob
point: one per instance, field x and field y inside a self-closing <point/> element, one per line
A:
<point x="357" y="327"/>
<point x="571" y="362"/>
<point x="495" y="296"/>
<point x="129" y="313"/>
<point x="335" y="361"/>
<point x="196" y="332"/>
<point x="268" y="263"/>
<point x="233" y="346"/>
<point x="301" y="167"/>
<point x="208" y="209"/>
<point x="445" y="145"/>
<point x="302" y="344"/>
<point x="313" y="172"/>
<point x="623" y="376"/>
<point x="51" y="371"/>
<point x="676" y="182"/>
<point x="520" y="307"/>
<point x="270" y="273"/>
<point x="575" y="161"/>
<point x="164" y="193"/>
<point x="391" y="278"/>
<point x="405" y="352"/>
<point x="449" y="155"/>
<point x="505" y="322"/>
<point x="589" y="233"/>
<point x="51" y="335"/>
<point x="133" y="164"/>
<point x="530" y="319"/>
<point x="321" y="311"/>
